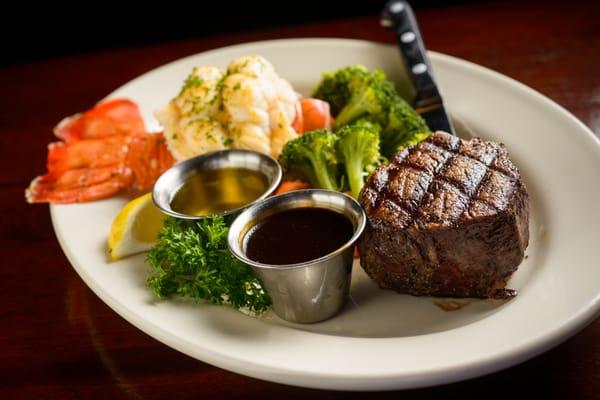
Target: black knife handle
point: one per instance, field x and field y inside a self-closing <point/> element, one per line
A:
<point x="412" y="48"/>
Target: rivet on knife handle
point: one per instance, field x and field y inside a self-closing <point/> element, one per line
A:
<point x="398" y="15"/>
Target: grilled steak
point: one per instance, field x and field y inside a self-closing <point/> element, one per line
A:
<point x="447" y="217"/>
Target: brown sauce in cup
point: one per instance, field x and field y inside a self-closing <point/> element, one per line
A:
<point x="297" y="235"/>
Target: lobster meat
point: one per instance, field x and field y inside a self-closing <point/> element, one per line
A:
<point x="107" y="149"/>
<point x="101" y="152"/>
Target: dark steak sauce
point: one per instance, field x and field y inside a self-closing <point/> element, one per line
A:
<point x="297" y="235"/>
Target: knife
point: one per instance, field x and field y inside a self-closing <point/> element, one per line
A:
<point x="398" y="15"/>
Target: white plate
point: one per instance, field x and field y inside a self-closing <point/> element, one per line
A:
<point x="383" y="340"/>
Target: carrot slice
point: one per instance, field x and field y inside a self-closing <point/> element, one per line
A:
<point x="315" y="114"/>
<point x="289" y="186"/>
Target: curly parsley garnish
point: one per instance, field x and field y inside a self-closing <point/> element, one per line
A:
<point x="191" y="259"/>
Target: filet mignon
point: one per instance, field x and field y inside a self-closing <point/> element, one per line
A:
<point x="447" y="217"/>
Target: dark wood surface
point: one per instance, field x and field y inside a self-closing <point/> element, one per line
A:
<point x="58" y="340"/>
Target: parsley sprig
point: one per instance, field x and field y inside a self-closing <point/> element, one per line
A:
<point x="191" y="259"/>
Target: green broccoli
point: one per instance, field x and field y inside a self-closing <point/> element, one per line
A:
<point x="358" y="147"/>
<point x="313" y="157"/>
<point x="404" y="127"/>
<point x="334" y="86"/>
<point x="357" y="94"/>
<point x="371" y="95"/>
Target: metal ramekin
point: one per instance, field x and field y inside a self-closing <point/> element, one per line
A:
<point x="311" y="291"/>
<point x="173" y="179"/>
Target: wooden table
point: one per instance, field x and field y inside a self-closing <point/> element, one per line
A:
<point x="58" y="340"/>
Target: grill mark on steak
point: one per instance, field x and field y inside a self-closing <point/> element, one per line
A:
<point x="433" y="192"/>
<point x="486" y="161"/>
<point x="469" y="171"/>
<point x="466" y="172"/>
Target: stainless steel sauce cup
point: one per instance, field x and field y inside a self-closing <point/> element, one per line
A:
<point x="169" y="183"/>
<point x="311" y="291"/>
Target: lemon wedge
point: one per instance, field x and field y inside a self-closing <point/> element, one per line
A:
<point x="135" y="229"/>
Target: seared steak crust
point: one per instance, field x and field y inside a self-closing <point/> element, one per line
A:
<point x="447" y="217"/>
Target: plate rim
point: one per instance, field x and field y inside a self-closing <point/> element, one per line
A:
<point x="526" y="350"/>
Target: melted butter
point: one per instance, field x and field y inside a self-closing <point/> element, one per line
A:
<point x="216" y="191"/>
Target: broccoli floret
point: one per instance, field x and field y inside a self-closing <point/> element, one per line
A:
<point x="357" y="94"/>
<point x="371" y="95"/>
<point x="358" y="147"/>
<point x="313" y="157"/>
<point x="404" y="127"/>
<point x="334" y="86"/>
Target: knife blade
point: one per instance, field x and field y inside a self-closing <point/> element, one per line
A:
<point x="398" y="15"/>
